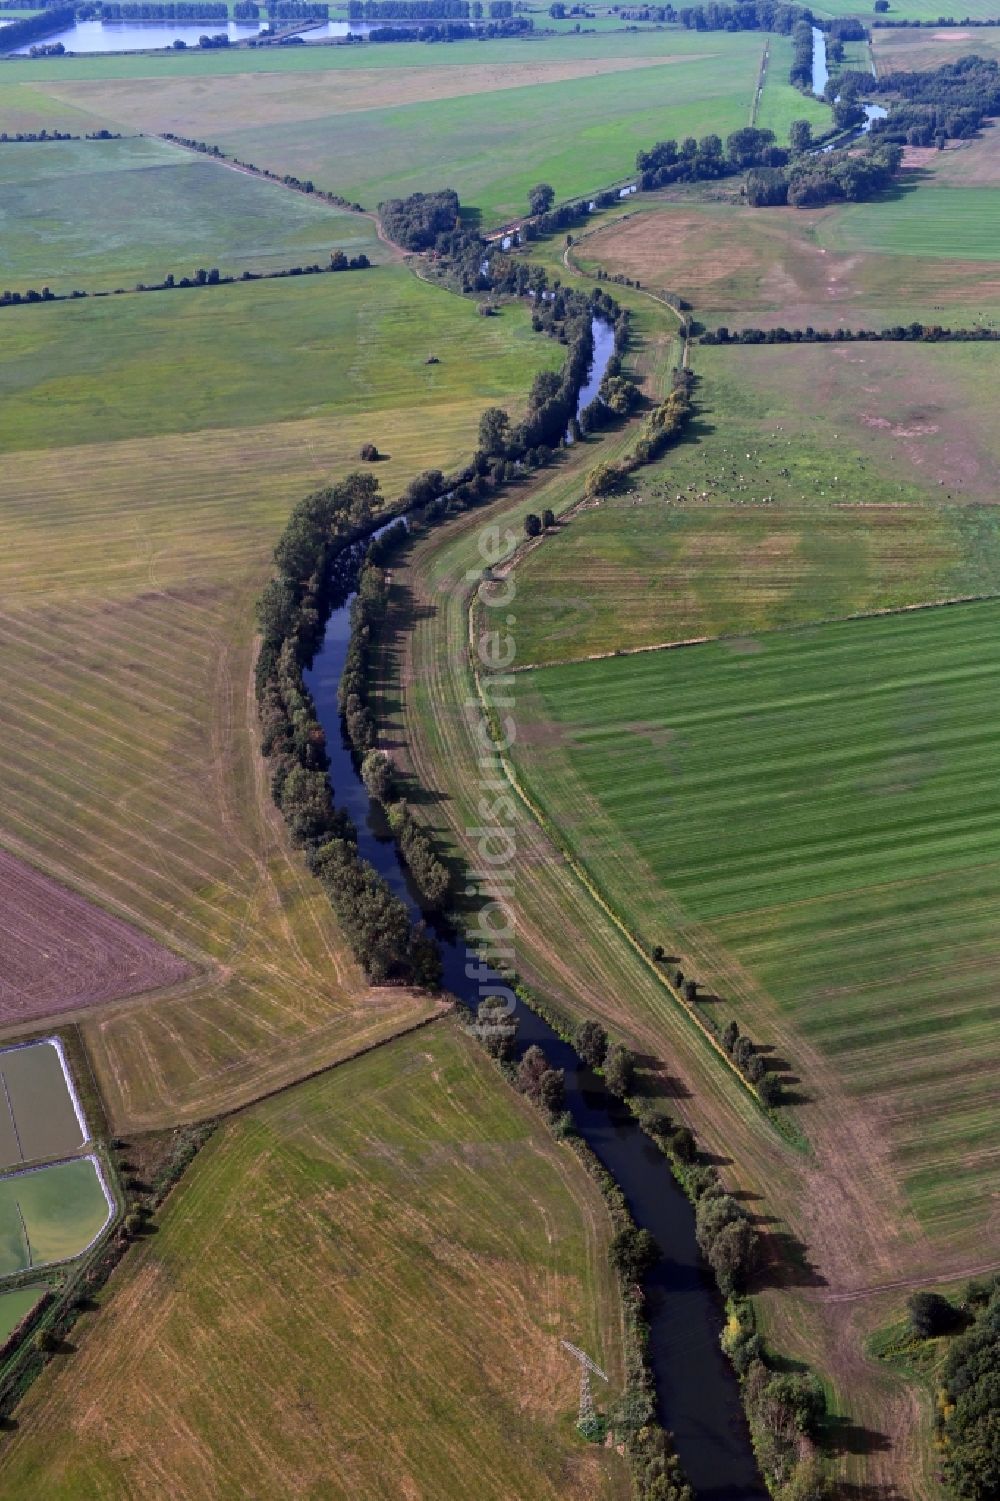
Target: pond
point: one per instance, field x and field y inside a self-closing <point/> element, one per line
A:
<point x="138" y="36"/>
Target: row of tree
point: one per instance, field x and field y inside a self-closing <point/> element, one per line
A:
<point x="203" y="277"/>
<point x="159" y="10"/>
<point x="368" y="615"/>
<point x="287" y="179"/>
<point x="425" y="10"/>
<point x="970" y="1422"/>
<point x="664" y="425"/>
<point x="706" y="160"/>
<point x="926" y="333"/>
<point x="314" y="560"/>
<point x="25" y="29"/>
<point x="36" y="136"/>
<point x="453" y="31"/>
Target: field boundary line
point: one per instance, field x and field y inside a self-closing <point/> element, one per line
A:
<point x="774" y="630"/>
<point x="443" y="1009"/>
<point x="794" y="1141"/>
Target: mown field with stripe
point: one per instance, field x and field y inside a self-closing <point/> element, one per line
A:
<point x="823" y="806"/>
<point x="359" y="1291"/>
<point x="107" y="214"/>
<point x="129" y="570"/>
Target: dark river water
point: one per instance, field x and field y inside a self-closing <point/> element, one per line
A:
<point x="697" y="1393"/>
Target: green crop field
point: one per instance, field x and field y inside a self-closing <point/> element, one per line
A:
<point x="326" y="346"/>
<point x="765" y="518"/>
<point x="50" y="1214"/>
<point x="358" y="1292"/>
<point x="815" y="814"/>
<point x="14" y="1306"/>
<point x="106" y="214"/>
<point x="953" y="223"/>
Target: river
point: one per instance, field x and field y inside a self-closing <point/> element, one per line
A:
<point x="697" y="1393"/>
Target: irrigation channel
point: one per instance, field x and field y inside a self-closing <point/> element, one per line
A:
<point x="697" y="1393"/>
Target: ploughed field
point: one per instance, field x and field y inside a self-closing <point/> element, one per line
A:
<point x="810" y="819"/>
<point x="359" y="1290"/>
<point x="154" y="446"/>
<point x="60" y="952"/>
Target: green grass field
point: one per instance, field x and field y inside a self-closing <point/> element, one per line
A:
<point x="953" y="223"/>
<point x="766" y="518"/>
<point x="14" y="1306"/>
<point x="821" y="806"/>
<point x="106" y="214"/>
<point x="327" y="347"/>
<point x="50" y="1214"/>
<point x="780" y="103"/>
<point x="358" y="1291"/>
<point x="579" y="135"/>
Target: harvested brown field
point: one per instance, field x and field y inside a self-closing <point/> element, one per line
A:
<point x="743" y="266"/>
<point x="357" y="1293"/>
<point x="922" y="48"/>
<point x="59" y="952"/>
<point x="250" y="100"/>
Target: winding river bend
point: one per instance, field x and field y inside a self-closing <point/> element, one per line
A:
<point x="697" y="1393"/>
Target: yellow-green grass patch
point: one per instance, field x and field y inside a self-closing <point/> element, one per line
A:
<point x="255" y="353"/>
<point x="50" y="1214"/>
<point x="15" y="1306"/>
<point x="821" y="804"/>
<point x="359" y="1291"/>
<point x="107" y="214"/>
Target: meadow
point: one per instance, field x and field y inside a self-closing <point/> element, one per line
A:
<point x="818" y="807"/>
<point x="404" y="1246"/>
<point x="139" y="516"/>
<point x="491" y="148"/>
<point x="50" y="1214"/>
<point x="107" y="214"/>
<point x="763" y="517"/>
<point x="780" y="104"/>
<point x="314" y="347"/>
